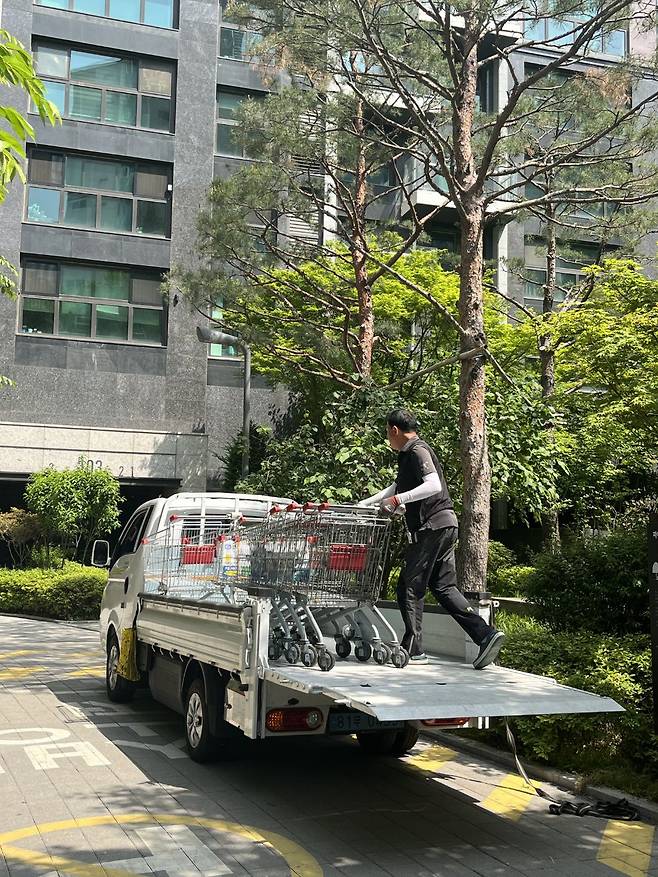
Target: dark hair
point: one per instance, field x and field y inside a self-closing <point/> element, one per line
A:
<point x="404" y="420"/>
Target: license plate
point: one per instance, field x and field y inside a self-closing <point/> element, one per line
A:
<point x="349" y="723"/>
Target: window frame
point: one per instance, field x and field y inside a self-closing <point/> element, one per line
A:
<point x="135" y="199"/>
<point x="229" y="26"/>
<point x="141" y="63"/>
<point x="134" y="274"/>
<point x="232" y="123"/>
<point x="544" y="23"/>
<point x="142" y="9"/>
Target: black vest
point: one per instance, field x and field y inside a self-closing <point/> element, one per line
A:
<point x="434" y="512"/>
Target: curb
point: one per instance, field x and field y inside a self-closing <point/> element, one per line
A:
<point x="83" y="625"/>
<point x="569" y="782"/>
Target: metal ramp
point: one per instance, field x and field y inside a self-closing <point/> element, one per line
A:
<point x="443" y="689"/>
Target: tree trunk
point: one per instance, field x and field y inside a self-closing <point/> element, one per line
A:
<point x="474" y="531"/>
<point x="550" y="520"/>
<point x="474" y="536"/>
<point x="366" y="331"/>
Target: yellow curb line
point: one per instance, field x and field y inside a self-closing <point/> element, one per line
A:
<point x="301" y="863"/>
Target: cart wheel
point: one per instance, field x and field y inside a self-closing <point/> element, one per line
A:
<point x="275" y="651"/>
<point x="343" y="648"/>
<point x="292" y="653"/>
<point x="399" y="657"/>
<point x="309" y="655"/>
<point x="326" y="660"/>
<point x="363" y="652"/>
<point x="381" y="654"/>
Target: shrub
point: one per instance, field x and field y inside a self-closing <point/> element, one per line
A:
<point x="513" y="581"/>
<point x="598" y="584"/>
<point x="71" y="593"/>
<point x="499" y="556"/>
<point x="19" y="529"/>
<point x="614" y="666"/>
<point x="74" y="506"/>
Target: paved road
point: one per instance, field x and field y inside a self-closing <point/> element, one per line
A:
<point x="91" y="788"/>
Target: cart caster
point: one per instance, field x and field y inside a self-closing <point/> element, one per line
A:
<point x="326" y="660"/>
<point x="399" y="657"/>
<point x="343" y="648"/>
<point x="292" y="653"/>
<point x="309" y="656"/>
<point x="363" y="652"/>
<point x="275" y="651"/>
<point x="381" y="654"/>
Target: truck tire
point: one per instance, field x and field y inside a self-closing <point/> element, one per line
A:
<point x="377" y="742"/>
<point x="405" y="740"/>
<point x="388" y="742"/>
<point x="201" y="745"/>
<point x="119" y="690"/>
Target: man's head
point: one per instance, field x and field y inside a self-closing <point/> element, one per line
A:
<point x="401" y="425"/>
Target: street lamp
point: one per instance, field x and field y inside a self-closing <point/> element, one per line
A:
<point x="214" y="336"/>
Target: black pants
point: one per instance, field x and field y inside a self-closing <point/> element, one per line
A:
<point x="430" y="563"/>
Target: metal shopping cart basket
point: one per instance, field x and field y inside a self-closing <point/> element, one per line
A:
<point x="322" y="566"/>
<point x="195" y="557"/>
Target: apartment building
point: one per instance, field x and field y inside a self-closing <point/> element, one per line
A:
<point x="104" y="367"/>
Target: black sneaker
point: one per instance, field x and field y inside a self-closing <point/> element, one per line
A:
<point x="489" y="649"/>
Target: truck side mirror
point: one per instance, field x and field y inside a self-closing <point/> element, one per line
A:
<point x="100" y="553"/>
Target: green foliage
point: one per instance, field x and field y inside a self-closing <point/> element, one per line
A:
<point x="19" y="529"/>
<point x="74" y="506"/>
<point x="16" y="69"/>
<point x="499" y="555"/>
<point x="73" y="592"/>
<point x="512" y="581"/>
<point x="597" y="584"/>
<point x="259" y="437"/>
<point x="606" y="394"/>
<point x="613" y="666"/>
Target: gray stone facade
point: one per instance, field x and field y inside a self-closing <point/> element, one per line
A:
<point x="163" y="413"/>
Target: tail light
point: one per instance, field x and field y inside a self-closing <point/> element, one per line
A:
<point x="442" y="723"/>
<point x="294" y="719"/>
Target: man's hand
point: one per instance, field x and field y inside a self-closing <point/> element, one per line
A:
<point x="390" y="506"/>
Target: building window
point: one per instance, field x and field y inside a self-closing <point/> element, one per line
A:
<point x="487" y="88"/>
<point x="102" y="303"/>
<point x="237" y="44"/>
<point x="91" y="87"/>
<point x="569" y="273"/>
<point x="228" y="106"/>
<point x="556" y="31"/>
<point x="158" y="13"/>
<point x="221" y="351"/>
<point x="98" y="193"/>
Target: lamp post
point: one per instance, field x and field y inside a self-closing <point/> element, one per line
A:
<point x="214" y="336"/>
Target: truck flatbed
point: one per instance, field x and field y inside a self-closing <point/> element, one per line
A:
<point x="445" y="688"/>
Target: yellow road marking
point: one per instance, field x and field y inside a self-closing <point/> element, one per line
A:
<point x="301" y="863"/>
<point x="19" y="672"/>
<point x="626" y="847"/>
<point x="511" y="797"/>
<point x="85" y="671"/>
<point x="431" y="758"/>
<point x="17" y="653"/>
<point x="95" y="653"/>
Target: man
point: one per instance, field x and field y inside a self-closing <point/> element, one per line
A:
<point x="430" y="556"/>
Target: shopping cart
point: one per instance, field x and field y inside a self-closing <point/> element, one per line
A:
<point x="195" y="557"/>
<point x="322" y="566"/>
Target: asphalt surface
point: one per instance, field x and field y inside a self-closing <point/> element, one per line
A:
<point x="101" y="790"/>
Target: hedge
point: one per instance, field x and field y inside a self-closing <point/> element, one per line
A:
<point x="598" y="584"/>
<point x="71" y="593"/>
<point x="607" y="745"/>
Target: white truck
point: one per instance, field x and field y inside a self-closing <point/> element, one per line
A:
<point x="209" y="660"/>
